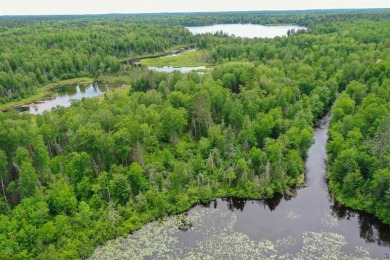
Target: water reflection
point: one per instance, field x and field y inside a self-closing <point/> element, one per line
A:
<point x="235" y="203"/>
<point x="64" y="96"/>
<point x="272" y="203"/>
<point x="308" y="208"/>
<point x="184" y="70"/>
<point x="305" y="224"/>
<point x="371" y="229"/>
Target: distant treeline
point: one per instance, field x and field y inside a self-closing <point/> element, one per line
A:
<point x="300" y="17"/>
<point x="73" y="178"/>
<point x="37" y="50"/>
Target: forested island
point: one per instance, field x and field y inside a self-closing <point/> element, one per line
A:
<point x="73" y="178"/>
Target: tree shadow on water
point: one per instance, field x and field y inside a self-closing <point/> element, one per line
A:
<point x="371" y="228"/>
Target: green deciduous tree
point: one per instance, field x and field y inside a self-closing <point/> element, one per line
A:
<point x="173" y="122"/>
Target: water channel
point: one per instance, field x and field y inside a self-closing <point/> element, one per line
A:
<point x="307" y="225"/>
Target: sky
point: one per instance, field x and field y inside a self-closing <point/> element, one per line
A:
<point x="38" y="7"/>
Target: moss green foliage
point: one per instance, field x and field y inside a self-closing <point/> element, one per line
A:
<point x="77" y="177"/>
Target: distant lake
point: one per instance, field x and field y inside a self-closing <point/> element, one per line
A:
<point x="246" y="30"/>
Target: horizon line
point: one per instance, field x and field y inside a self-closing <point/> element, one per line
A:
<point x="196" y="12"/>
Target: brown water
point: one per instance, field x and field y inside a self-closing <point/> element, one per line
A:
<point x="308" y="225"/>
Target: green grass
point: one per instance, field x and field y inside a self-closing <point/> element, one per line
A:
<point x="187" y="59"/>
<point x="42" y="92"/>
<point x="120" y="91"/>
<point x="114" y="79"/>
<point x="157" y="54"/>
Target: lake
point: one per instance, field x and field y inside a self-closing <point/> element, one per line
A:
<point x="64" y="95"/>
<point x="307" y="225"/>
<point x="246" y="30"/>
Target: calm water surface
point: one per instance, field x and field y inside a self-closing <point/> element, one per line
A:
<point x="307" y="225"/>
<point x="170" y="69"/>
<point x="246" y="30"/>
<point x="64" y="96"/>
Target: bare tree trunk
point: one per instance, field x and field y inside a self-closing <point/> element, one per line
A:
<point x="96" y="168"/>
<point x="5" y="197"/>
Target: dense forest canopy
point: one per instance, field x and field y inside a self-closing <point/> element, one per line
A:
<point x="36" y="55"/>
<point x="39" y="50"/>
<point x="72" y="178"/>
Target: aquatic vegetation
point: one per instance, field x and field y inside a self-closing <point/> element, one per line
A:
<point x="293" y="216"/>
<point x="324" y="245"/>
<point x="329" y="221"/>
<point x="213" y="236"/>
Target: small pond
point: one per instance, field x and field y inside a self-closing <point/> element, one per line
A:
<point x="64" y="95"/>
<point x="246" y="30"/>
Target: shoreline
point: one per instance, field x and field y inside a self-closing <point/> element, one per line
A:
<point x="44" y="95"/>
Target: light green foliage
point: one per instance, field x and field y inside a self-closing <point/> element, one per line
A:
<point x="65" y="49"/>
<point x="192" y="58"/>
<point x="173" y="121"/>
<point x="28" y="178"/>
<point x="356" y="91"/>
<point x="3" y="164"/>
<point x="137" y="182"/>
<point x="200" y="114"/>
<point x="359" y="150"/>
<point x="119" y="188"/>
<point x="61" y="198"/>
<point x="79" y="176"/>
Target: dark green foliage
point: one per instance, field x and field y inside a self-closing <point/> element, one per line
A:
<point x="359" y="148"/>
<point x="40" y="53"/>
<point x="75" y="177"/>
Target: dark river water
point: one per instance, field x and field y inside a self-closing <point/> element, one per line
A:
<point x="307" y="225"/>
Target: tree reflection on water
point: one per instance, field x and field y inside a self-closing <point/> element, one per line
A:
<point x="371" y="229"/>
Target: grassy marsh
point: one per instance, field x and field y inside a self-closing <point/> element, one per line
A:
<point x="43" y="92"/>
<point x="193" y="58"/>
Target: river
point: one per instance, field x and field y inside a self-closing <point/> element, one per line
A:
<point x="307" y="225"/>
